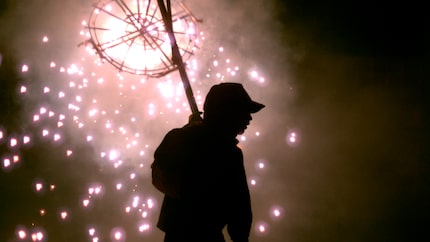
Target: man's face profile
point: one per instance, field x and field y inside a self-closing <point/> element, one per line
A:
<point x="240" y="121"/>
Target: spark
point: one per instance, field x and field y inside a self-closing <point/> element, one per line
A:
<point x="23" y="89"/>
<point x="39" y="186"/>
<point x="262" y="228"/>
<point x="85" y="202"/>
<point x="118" y="234"/>
<point x="24" y="68"/>
<point x="37" y="236"/>
<point x="16" y="159"/>
<point x="144" y="227"/>
<point x="64" y="215"/>
<point x="6" y="163"/>
<point x="292" y="138"/>
<point x="150" y="203"/>
<point x="132" y="176"/>
<point x="57" y="137"/>
<point x="113" y="155"/>
<point x="22" y="234"/>
<point x="261" y="165"/>
<point x="13" y="142"/>
<point x="135" y="201"/>
<point x="118" y="186"/>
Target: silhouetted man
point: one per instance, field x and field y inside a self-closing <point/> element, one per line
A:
<point x="200" y="170"/>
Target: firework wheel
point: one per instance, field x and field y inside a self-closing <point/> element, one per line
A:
<point x="131" y="35"/>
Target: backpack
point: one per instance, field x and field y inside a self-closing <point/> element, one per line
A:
<point x="171" y="158"/>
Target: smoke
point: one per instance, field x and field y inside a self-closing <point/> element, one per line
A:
<point x="353" y="93"/>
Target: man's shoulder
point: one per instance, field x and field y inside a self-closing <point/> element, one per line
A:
<point x="180" y="142"/>
<point x="186" y="134"/>
<point x="188" y="131"/>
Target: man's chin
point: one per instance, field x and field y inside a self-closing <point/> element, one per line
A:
<point x="241" y="131"/>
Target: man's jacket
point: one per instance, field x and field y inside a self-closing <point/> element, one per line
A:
<point x="203" y="178"/>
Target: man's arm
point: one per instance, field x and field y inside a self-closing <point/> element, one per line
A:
<point x="167" y="168"/>
<point x="240" y="221"/>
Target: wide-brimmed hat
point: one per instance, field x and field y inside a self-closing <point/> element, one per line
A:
<point x="230" y="96"/>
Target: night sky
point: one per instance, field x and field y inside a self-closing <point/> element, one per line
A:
<point x="350" y="79"/>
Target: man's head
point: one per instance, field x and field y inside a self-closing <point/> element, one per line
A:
<point x="229" y="106"/>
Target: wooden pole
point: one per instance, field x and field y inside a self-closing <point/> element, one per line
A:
<point x="177" y="58"/>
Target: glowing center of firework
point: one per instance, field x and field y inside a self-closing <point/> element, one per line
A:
<point x="141" y="45"/>
<point x="132" y="36"/>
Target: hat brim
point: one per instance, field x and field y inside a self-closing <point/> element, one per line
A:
<point x="255" y="107"/>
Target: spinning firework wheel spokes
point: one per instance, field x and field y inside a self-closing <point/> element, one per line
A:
<point x="131" y="35"/>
